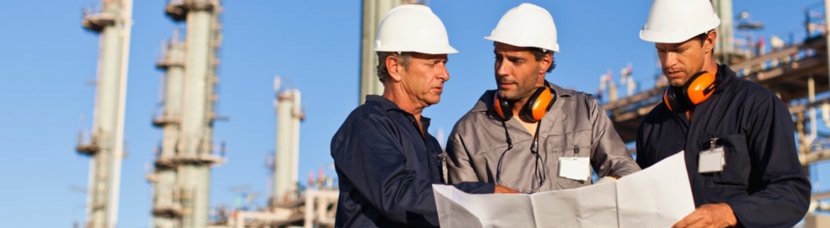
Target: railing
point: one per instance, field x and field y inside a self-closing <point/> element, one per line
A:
<point x="95" y="18"/>
<point x="87" y="143"/>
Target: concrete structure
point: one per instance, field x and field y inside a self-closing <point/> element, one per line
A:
<point x="105" y="145"/>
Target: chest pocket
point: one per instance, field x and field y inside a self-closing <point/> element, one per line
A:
<point x="570" y="144"/>
<point x="738" y="165"/>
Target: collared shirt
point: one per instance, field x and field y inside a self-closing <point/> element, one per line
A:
<point x="762" y="180"/>
<point x="386" y="167"/>
<point x="575" y="126"/>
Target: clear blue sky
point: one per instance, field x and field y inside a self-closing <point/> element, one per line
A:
<point x="47" y="61"/>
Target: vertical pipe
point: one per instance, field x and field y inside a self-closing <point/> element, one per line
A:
<point x="612" y="89"/>
<point x="118" y="152"/>
<point x="296" y="117"/>
<point x="827" y="34"/>
<point x="811" y="97"/>
<point x="808" y="144"/>
<point x="308" y="221"/>
<point x="811" y="92"/>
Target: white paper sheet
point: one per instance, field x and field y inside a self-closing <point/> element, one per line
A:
<point x="655" y="197"/>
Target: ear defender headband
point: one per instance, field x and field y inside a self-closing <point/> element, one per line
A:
<point x="537" y="105"/>
<point x="699" y="88"/>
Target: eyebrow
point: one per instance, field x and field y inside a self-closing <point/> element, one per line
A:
<point x="506" y="55"/>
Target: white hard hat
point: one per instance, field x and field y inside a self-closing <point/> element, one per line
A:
<point x="526" y="25"/>
<point x="675" y="21"/>
<point x="412" y="28"/>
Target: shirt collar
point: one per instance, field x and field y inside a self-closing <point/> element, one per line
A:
<point x="382" y="102"/>
<point x="387" y="105"/>
<point x="724" y="77"/>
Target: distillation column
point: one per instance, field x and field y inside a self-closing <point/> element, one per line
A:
<point x="106" y="144"/>
<point x="724" y="47"/>
<point x="195" y="144"/>
<point x="166" y="209"/>
<point x="286" y="159"/>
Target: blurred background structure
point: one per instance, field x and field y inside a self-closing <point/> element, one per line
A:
<point x="56" y="71"/>
<point x="104" y="143"/>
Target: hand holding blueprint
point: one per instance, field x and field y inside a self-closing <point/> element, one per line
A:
<point x="655" y="197"/>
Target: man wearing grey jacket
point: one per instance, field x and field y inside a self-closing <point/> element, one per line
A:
<point x="529" y="134"/>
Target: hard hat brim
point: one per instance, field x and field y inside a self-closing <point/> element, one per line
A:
<point x="552" y="47"/>
<point x="665" y="37"/>
<point x="412" y="28"/>
<point x="673" y="37"/>
<point x="431" y="51"/>
<point x="671" y="21"/>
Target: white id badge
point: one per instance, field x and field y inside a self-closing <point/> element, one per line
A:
<point x="575" y="168"/>
<point x="711" y="161"/>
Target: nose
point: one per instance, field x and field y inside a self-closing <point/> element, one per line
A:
<point x="443" y="73"/>
<point x="669" y="60"/>
<point x="501" y="67"/>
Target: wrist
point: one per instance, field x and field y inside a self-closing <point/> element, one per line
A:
<point x="731" y="219"/>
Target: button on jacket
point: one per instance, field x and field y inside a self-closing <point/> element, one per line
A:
<point x="386" y="168"/>
<point x="574" y="126"/>
<point x="762" y="180"/>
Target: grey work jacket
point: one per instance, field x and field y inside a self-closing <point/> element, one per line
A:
<point x="575" y="125"/>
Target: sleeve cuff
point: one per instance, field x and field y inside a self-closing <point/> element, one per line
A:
<point x="476" y="187"/>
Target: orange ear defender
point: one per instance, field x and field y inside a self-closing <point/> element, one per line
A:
<point x="536" y="107"/>
<point x="699" y="88"/>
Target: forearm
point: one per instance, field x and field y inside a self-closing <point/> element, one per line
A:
<point x="476" y="187"/>
<point x="610" y="155"/>
<point x="780" y="193"/>
<point x="781" y="204"/>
